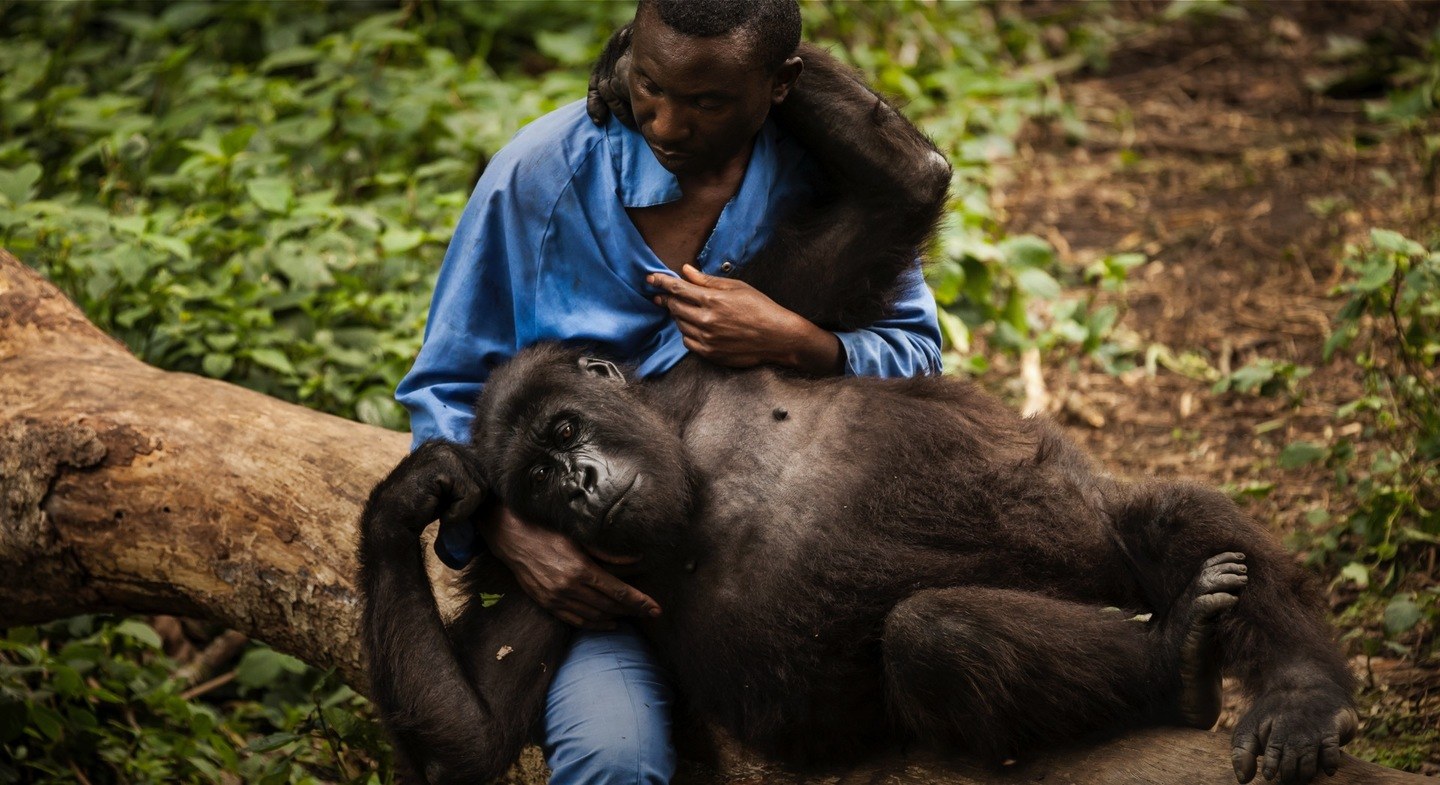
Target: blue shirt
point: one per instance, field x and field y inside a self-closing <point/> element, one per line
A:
<point x="545" y="251"/>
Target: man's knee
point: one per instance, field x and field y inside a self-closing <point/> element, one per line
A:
<point x="616" y="758"/>
<point x="608" y="718"/>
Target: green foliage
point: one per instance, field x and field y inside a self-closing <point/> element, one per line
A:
<point x="1389" y="329"/>
<point x="99" y="698"/>
<point x="261" y="192"/>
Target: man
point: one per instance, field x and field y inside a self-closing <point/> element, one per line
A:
<point x="623" y="239"/>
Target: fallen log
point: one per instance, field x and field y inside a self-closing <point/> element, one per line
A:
<point x="129" y="489"/>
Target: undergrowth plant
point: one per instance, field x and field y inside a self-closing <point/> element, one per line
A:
<point x="1389" y="329"/>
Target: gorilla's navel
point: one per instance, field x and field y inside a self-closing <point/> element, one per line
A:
<point x="780" y="413"/>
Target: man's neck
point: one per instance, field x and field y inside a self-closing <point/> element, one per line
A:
<point x="726" y="176"/>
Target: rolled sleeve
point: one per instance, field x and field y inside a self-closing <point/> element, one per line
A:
<point x="905" y="343"/>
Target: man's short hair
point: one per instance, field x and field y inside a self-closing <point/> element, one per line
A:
<point x="773" y="26"/>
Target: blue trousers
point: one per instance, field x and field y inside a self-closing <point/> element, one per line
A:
<point x="607" y="717"/>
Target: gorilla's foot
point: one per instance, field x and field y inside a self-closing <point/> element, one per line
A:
<point x="1214" y="591"/>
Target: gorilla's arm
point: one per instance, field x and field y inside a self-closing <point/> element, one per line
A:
<point x="836" y="262"/>
<point x="465" y="710"/>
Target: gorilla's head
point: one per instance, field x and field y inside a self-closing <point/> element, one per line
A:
<point x="567" y="444"/>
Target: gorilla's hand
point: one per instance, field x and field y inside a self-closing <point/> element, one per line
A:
<point x="560" y="577"/>
<point x="1298" y="732"/>
<point x="439" y="480"/>
<point x="610" y="82"/>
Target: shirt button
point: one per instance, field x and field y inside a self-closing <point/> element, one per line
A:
<point x="726" y="266"/>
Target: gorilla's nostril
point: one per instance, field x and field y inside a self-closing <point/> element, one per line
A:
<point x="589" y="479"/>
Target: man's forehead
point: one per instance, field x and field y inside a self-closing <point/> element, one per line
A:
<point x="659" y="50"/>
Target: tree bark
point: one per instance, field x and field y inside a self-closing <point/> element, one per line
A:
<point x="125" y="488"/>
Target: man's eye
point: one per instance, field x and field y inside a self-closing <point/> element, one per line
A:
<point x="709" y="106"/>
<point x="539" y="473"/>
<point x="650" y="87"/>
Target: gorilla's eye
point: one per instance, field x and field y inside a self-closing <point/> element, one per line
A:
<point x="565" y="431"/>
<point x="539" y="473"/>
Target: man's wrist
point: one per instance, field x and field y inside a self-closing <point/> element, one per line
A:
<point x="814" y="350"/>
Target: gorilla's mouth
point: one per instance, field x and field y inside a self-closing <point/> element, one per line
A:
<point x="609" y="516"/>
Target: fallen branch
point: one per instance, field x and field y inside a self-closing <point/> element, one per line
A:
<point x="125" y="488"/>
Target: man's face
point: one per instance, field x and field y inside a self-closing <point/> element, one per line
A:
<point x="697" y="101"/>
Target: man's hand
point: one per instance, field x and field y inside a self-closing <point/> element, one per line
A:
<point x="560" y="577"/>
<point x="610" y="82"/>
<point x="732" y="323"/>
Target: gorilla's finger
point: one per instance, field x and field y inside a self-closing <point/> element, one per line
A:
<point x="1330" y="754"/>
<point x="1243" y="754"/>
<point x="1274" y="753"/>
<point x="595" y="106"/>
<point x="462" y="507"/>
<point x="1290" y="764"/>
<point x="1244" y="763"/>
<point x="1232" y="556"/>
<point x="1306" y="768"/>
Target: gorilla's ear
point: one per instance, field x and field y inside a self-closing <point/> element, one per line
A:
<point x="594" y="366"/>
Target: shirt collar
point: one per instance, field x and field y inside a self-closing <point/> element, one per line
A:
<point x="642" y="182"/>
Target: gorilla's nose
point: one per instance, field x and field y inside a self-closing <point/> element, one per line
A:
<point x="583" y="483"/>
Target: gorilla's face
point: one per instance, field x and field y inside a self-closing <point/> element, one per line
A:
<point x="568" y="446"/>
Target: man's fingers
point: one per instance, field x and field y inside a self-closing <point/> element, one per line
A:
<point x="693" y="275"/>
<point x="575" y="620"/>
<point x="673" y="286"/>
<point x="634" y="601"/>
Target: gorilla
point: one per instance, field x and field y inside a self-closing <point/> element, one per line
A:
<point x="843" y="563"/>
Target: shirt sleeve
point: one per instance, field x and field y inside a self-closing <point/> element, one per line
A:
<point x="470" y="330"/>
<point x="905" y="343"/>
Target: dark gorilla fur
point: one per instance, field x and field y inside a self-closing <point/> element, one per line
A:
<point x="843" y="563"/>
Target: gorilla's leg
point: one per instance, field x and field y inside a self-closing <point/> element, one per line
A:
<point x="994" y="671"/>
<point x="1275" y="640"/>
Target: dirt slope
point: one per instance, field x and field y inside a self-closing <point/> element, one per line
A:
<point x="1209" y="151"/>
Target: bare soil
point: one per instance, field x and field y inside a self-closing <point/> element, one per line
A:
<point x="1209" y="151"/>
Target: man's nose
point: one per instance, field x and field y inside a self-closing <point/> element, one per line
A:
<point x="669" y="125"/>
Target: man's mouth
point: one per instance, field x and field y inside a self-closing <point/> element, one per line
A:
<point x="669" y="155"/>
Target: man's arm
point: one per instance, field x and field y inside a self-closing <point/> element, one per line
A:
<point x="732" y="323"/>
<point x="470" y="330"/>
<point x="845" y="264"/>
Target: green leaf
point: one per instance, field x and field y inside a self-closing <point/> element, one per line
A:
<point x="396" y="241"/>
<point x="1038" y="283"/>
<point x="1297" y="454"/>
<point x="273" y="742"/>
<point x="272" y="194"/>
<point x="1376" y="273"/>
<point x="1394" y="242"/>
<point x="140" y="632"/>
<point x="1027" y="250"/>
<point x="262" y="666"/>
<point x="1356" y="573"/>
<point x="217" y="365"/>
<point x="273" y="359"/>
<point x="1401" y="615"/>
<point x="18" y="185"/>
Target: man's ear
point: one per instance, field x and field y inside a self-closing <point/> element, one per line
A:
<point x="785" y="78"/>
<point x="594" y="366"/>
